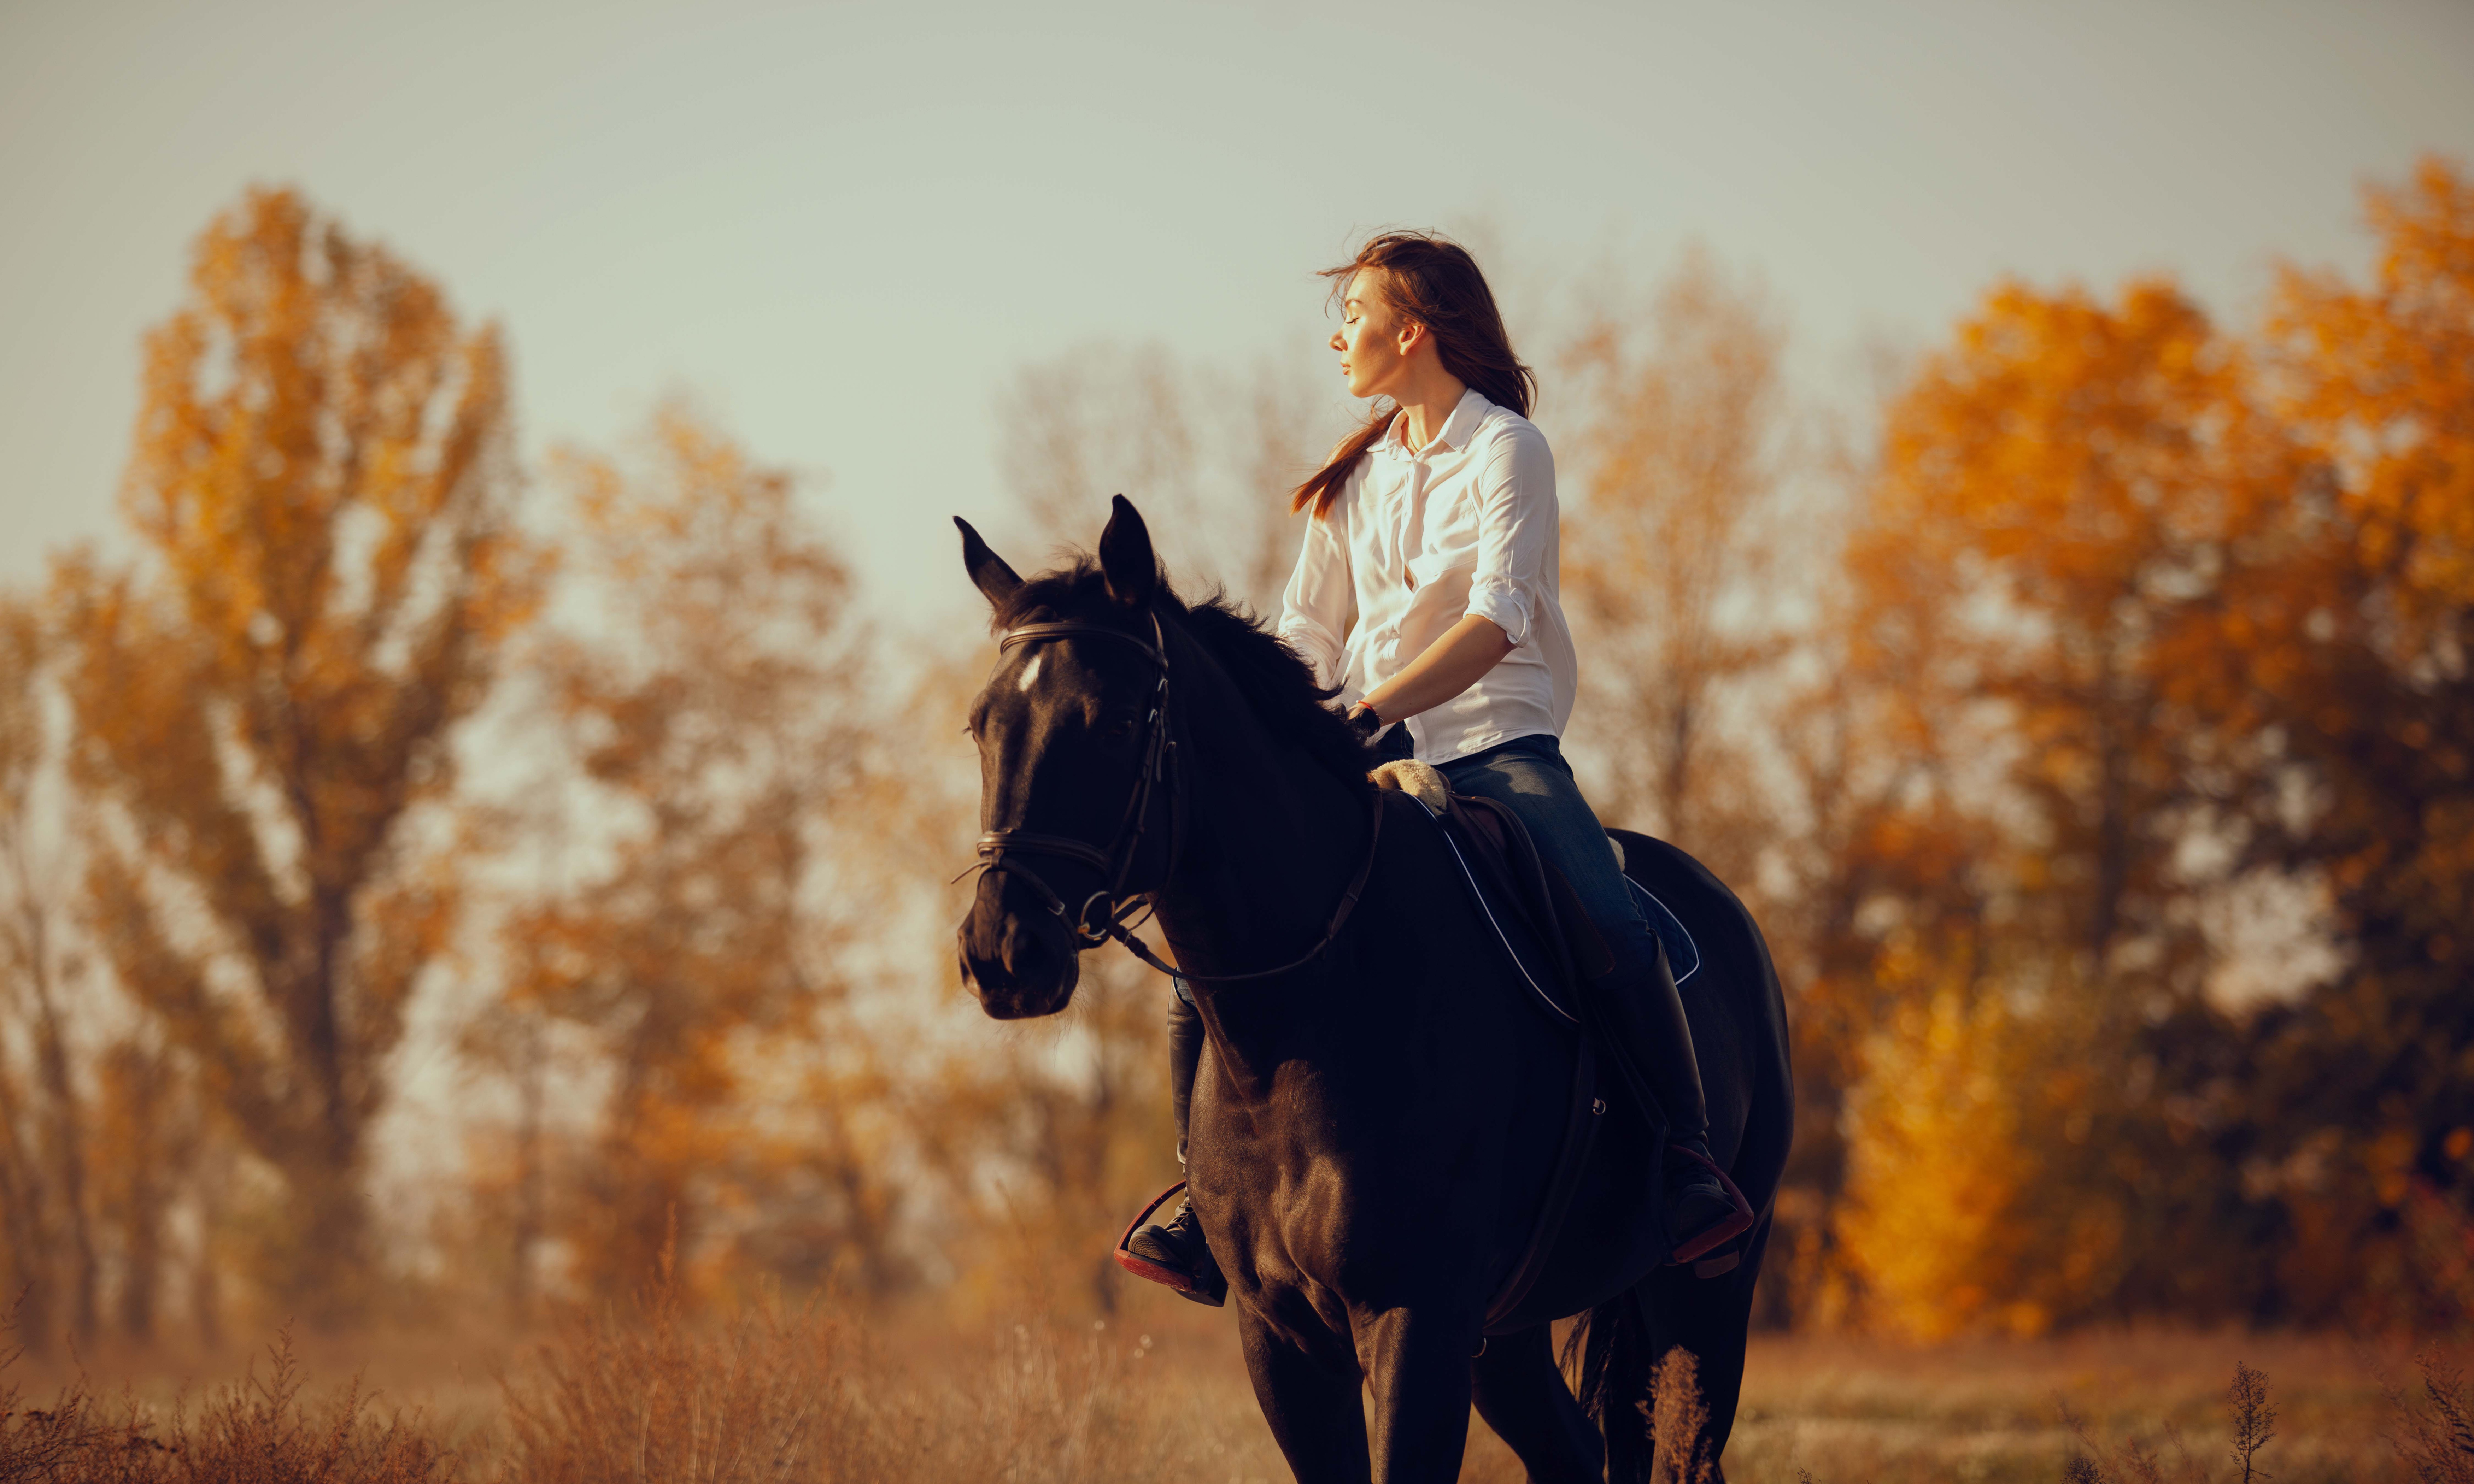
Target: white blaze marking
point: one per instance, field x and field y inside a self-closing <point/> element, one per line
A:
<point x="1030" y="673"/>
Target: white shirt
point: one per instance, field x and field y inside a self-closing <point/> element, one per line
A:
<point x="1467" y="524"/>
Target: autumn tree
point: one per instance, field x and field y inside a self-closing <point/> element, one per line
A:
<point x="2334" y="668"/>
<point x="1675" y="540"/>
<point x="706" y="681"/>
<point x="266" y="702"/>
<point x="1886" y="901"/>
<point x="2051" y="490"/>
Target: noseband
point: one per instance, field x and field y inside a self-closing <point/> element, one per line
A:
<point x="1116" y="860"/>
<point x="1117" y="917"/>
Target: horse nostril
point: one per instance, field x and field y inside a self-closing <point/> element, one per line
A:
<point x="1020" y="951"/>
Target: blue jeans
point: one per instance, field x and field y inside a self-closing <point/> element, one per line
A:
<point x="1530" y="776"/>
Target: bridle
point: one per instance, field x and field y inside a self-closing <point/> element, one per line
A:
<point x="1119" y="912"/>
<point x="1116" y="860"/>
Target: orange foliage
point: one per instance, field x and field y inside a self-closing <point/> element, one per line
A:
<point x="2173" y="610"/>
<point x="2134" y="611"/>
<point x="267" y="700"/>
<point x="2345" y="682"/>
<point x="705" y="692"/>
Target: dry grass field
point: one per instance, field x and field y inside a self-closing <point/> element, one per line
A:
<point x="1155" y="1392"/>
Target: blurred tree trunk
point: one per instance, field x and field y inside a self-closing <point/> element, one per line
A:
<point x="27" y="1271"/>
<point x="713" y="710"/>
<point x="50" y="1182"/>
<point x="321" y="491"/>
<point x="1671" y="552"/>
<point x="144" y="1152"/>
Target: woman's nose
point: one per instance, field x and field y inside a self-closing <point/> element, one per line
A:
<point x="1335" y="342"/>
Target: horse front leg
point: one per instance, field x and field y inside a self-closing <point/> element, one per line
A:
<point x="1418" y="1366"/>
<point x="1522" y="1395"/>
<point x="1313" y="1410"/>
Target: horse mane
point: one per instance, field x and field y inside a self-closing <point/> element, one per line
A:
<point x="1274" y="678"/>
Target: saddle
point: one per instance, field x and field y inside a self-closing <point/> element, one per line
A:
<point x="1512" y="879"/>
<point x="1548" y="932"/>
<point x="1533" y="909"/>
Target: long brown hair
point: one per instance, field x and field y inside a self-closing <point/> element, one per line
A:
<point x="1429" y="279"/>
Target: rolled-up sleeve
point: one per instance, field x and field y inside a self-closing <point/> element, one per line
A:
<point x="1516" y="516"/>
<point x="1315" y="609"/>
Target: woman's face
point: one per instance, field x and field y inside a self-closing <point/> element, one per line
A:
<point x="1373" y="341"/>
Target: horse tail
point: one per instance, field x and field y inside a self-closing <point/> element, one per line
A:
<point x="1616" y="1359"/>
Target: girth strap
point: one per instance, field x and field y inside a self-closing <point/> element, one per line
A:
<point x="1580" y="1130"/>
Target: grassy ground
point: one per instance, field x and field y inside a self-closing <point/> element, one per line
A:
<point x="1997" y="1411"/>
<point x="1157" y="1391"/>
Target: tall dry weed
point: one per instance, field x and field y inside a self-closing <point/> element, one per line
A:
<point x="1047" y="1404"/>
<point x="2254" y="1419"/>
<point x="655" y="1399"/>
<point x="264" y="1432"/>
<point x="1679" y="1421"/>
<point x="2435" y="1440"/>
<point x="773" y="1396"/>
<point x="2168" y="1458"/>
<point x="43" y="1441"/>
<point x="255" y="1431"/>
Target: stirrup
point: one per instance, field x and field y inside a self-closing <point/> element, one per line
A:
<point x="1186" y="1285"/>
<point x="1726" y="1228"/>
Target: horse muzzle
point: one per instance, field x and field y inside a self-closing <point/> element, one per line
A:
<point x="1020" y="963"/>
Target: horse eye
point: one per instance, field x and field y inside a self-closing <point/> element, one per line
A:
<point x="1120" y="728"/>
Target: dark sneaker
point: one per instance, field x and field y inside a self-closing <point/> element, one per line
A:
<point x="1175" y="1253"/>
<point x="1704" y="1208"/>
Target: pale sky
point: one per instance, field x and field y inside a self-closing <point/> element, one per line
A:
<point x="845" y="226"/>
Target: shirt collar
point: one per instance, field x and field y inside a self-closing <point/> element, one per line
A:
<point x="1458" y="428"/>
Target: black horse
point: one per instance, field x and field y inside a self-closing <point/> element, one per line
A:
<point x="1377" y="1121"/>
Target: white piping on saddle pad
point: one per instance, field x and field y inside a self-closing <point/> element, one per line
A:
<point x="1617" y="845"/>
<point x="1548" y="1000"/>
<point x="1679" y="926"/>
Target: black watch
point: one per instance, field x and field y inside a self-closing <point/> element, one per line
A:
<point x="1366" y="721"/>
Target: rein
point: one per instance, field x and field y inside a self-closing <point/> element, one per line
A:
<point x="1121" y="912"/>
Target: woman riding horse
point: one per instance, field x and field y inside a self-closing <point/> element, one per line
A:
<point x="1427" y="594"/>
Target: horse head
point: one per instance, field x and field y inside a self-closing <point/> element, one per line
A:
<point x="1072" y="728"/>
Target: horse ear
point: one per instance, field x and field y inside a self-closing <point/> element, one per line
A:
<point x="1126" y="557"/>
<point x="989" y="571"/>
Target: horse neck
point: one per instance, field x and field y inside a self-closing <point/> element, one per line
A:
<point x="1271" y="841"/>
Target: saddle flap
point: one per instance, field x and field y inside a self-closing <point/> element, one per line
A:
<point x="1510" y="871"/>
<point x="1582" y="940"/>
